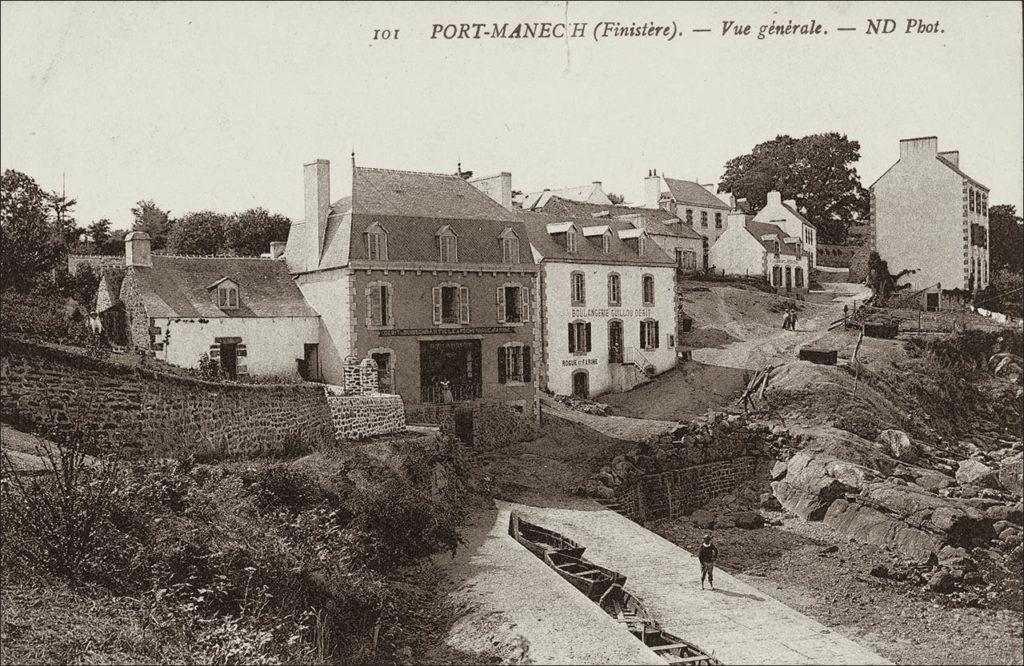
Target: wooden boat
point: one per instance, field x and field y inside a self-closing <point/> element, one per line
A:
<point x="587" y="577"/>
<point x="539" y="540"/>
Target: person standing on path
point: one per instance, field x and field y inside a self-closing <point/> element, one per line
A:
<point x="707" y="554"/>
<point x="792" y="320"/>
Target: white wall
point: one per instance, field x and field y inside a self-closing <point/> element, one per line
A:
<point x="737" y="253"/>
<point x="329" y="293"/>
<point x="272" y="343"/>
<point x="918" y="222"/>
<point x="776" y="213"/>
<point x="560" y="364"/>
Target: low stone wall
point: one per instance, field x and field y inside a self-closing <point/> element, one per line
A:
<point x="442" y="416"/>
<point x="496" y="424"/>
<point x="154" y="413"/>
<point x="678" y="492"/>
<point x="361" y="416"/>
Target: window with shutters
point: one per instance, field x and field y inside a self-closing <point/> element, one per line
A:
<point x="614" y="289"/>
<point x="451" y="304"/>
<point x="970" y="197"/>
<point x="579" y="337"/>
<point x="718" y="220"/>
<point x="447" y="245"/>
<point x="509" y="247"/>
<point x="513" y="302"/>
<point x="577" y="288"/>
<point x="376" y="242"/>
<point x="689" y="260"/>
<point x="647" y="287"/>
<point x="514" y="364"/>
<point x="379" y="311"/>
<point x="703" y="218"/>
<point x="227" y="296"/>
<point x="648" y="334"/>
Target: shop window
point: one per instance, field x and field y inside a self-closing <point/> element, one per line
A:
<point x="647" y="287"/>
<point x="451" y="304"/>
<point x="614" y="289"/>
<point x="579" y="337"/>
<point x="648" y="334"/>
<point x="513" y="301"/>
<point x="577" y="289"/>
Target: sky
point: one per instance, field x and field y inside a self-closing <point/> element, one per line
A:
<point x="217" y="106"/>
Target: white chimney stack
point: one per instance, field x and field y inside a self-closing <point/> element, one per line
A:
<point x="497" y="187"/>
<point x="921" y="148"/>
<point x="317" y="177"/>
<point x="652" y="190"/>
<point x="775" y="198"/>
<point x="737" y="219"/>
<point x="951" y="156"/>
<point x="791" y="203"/>
<point x="137" y="247"/>
<point x="277" y="249"/>
<point x="711" y="187"/>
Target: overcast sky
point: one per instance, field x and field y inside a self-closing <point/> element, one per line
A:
<point x="203" y="106"/>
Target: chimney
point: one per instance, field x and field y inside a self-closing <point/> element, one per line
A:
<point x="921" y="148"/>
<point x="137" y="249"/>
<point x="791" y="203"/>
<point x="741" y="204"/>
<point x="737" y="219"/>
<point x="774" y="198"/>
<point x="317" y="177"/>
<point x="951" y="156"/>
<point x="277" y="249"/>
<point x="497" y="187"/>
<point x="652" y="190"/>
<point x="711" y="187"/>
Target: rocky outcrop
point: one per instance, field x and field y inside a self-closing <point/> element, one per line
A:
<point x="975" y="472"/>
<point x="1011" y="474"/>
<point x="897" y="444"/>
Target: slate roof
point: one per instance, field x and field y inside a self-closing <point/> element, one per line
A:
<point x="391" y="192"/>
<point x="415" y="238"/>
<point x="689" y="192"/>
<point x="178" y="287"/>
<point x="656" y="221"/>
<point x="579" y="194"/>
<point x="589" y="249"/>
<point x="758" y="229"/>
<point x="800" y="217"/>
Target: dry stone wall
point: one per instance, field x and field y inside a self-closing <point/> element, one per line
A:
<point x="153" y="413"/>
<point x="680" y="491"/>
<point x="360" y="416"/>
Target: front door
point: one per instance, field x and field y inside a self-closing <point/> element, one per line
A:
<point x="229" y="359"/>
<point x="615" y="342"/>
<point x="450" y="370"/>
<point x="580" y="384"/>
<point x="789" y="278"/>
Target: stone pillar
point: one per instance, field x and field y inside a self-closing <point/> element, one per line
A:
<point x="368" y="377"/>
<point x="352" y="380"/>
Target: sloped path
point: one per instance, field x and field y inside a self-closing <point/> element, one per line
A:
<point x="737" y="622"/>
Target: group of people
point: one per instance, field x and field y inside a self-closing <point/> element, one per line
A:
<point x="789" y="319"/>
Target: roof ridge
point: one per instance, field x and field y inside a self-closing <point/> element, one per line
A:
<point x="210" y="256"/>
<point x="419" y="173"/>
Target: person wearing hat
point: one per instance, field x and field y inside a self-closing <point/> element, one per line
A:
<point x="707" y="554"/>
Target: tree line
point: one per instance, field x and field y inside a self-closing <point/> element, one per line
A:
<point x="38" y="230"/>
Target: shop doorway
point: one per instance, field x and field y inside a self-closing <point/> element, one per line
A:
<point x="450" y="370"/>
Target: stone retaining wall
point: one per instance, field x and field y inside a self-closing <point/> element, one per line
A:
<point x="154" y="413"/>
<point x="679" y="491"/>
<point x="497" y="424"/>
<point x="361" y="416"/>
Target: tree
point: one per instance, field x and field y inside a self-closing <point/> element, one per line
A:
<point x="154" y="221"/>
<point x="99" y="232"/>
<point x="62" y="218"/>
<point x="1005" y="238"/>
<point x="250" y="232"/>
<point x="616" y="198"/>
<point x="31" y="241"/>
<point x="816" y="170"/>
<point x="200" y="233"/>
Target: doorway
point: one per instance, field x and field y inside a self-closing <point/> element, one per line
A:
<point x="932" y="302"/>
<point x="385" y="371"/>
<point x="309" y="366"/>
<point x="615" y="341"/>
<point x="580" y="384"/>
<point x="789" y="278"/>
<point x="450" y="368"/>
<point x="229" y="359"/>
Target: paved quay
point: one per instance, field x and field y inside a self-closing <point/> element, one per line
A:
<point x="737" y="623"/>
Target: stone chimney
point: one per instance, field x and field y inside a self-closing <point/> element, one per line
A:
<point x="921" y="148"/>
<point x="137" y="249"/>
<point x="497" y="187"/>
<point x="737" y="219"/>
<point x="951" y="156"/>
<point x="652" y="189"/>
<point x="277" y="249"/>
<point x="791" y="203"/>
<point x="317" y="178"/>
<point x="774" y="198"/>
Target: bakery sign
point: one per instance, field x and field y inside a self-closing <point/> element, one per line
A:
<point x="613" y="313"/>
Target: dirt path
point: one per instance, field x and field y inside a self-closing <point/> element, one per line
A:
<point x="626" y="428"/>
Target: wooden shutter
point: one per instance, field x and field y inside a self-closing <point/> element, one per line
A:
<point x="656" y="340"/>
<point x="385" y="295"/>
<point x="525" y="303"/>
<point x="464" y="305"/>
<point x="587" y="325"/>
<point x="643" y="334"/>
<point x="572" y="338"/>
<point x="527" y="365"/>
<point x="373" y="306"/>
<point x="502" y="367"/>
<point x="500" y="300"/>
<point x="436" y="292"/>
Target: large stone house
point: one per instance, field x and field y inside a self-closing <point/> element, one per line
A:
<point x="426" y="275"/>
<point x="930" y="217"/>
<point x="243" y="312"/>
<point x="607" y="303"/>
<point x="787" y="216"/>
<point x="752" y="248"/>
<point x="697" y="206"/>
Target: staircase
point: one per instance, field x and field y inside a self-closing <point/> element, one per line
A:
<point x="629" y="373"/>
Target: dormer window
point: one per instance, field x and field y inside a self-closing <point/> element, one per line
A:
<point x="570" y="240"/>
<point x="509" y="247"/>
<point x="606" y="242"/>
<point x="376" y="242"/>
<point x="448" y="245"/>
<point x="641" y="245"/>
<point x="225" y="294"/>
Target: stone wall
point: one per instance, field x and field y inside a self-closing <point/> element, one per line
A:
<point x="153" y="413"/>
<point x="497" y="424"/>
<point x="442" y="416"/>
<point x="361" y="416"/>
<point x="678" y="492"/>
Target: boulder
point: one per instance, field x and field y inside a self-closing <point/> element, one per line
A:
<point x="770" y="502"/>
<point x="779" y="470"/>
<point x="869" y="525"/>
<point x="963" y="525"/>
<point x="1011" y="513"/>
<point x="702" y="518"/>
<point x="955" y="558"/>
<point x="897" y="444"/>
<point x="933" y="481"/>
<point x="975" y="473"/>
<point x="748" y="520"/>
<point x="941" y="581"/>
<point x="1011" y="474"/>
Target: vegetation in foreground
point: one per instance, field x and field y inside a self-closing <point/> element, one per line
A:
<point x="259" y="562"/>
